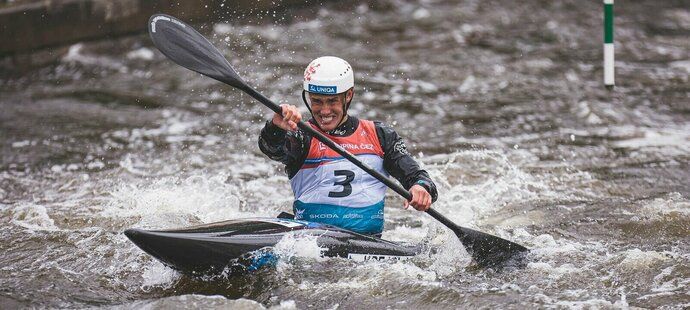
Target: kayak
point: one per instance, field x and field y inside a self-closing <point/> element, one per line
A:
<point x="247" y="244"/>
<point x="188" y="48"/>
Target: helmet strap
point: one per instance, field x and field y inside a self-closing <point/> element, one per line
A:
<point x="304" y="98"/>
<point x="346" y="106"/>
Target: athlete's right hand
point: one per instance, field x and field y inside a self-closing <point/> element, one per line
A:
<point x="289" y="119"/>
<point x="421" y="199"/>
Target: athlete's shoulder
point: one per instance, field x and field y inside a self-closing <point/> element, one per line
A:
<point x="379" y="127"/>
<point x="376" y="123"/>
<point x="383" y="127"/>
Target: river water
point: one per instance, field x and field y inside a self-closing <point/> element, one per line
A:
<point x="502" y="102"/>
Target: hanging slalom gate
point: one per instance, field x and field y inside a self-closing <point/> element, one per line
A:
<point x="608" y="44"/>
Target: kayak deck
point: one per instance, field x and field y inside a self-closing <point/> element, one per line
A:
<point x="246" y="244"/>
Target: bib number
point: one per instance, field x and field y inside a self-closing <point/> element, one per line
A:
<point x="347" y="188"/>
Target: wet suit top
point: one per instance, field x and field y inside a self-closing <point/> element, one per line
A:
<point x="330" y="189"/>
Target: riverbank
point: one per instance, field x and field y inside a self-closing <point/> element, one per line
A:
<point x="36" y="32"/>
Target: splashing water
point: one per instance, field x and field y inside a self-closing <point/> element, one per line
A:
<point x="508" y="117"/>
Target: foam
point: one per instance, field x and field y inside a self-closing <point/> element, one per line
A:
<point x="403" y="270"/>
<point x="196" y="302"/>
<point x="595" y="303"/>
<point x="175" y="128"/>
<point x="501" y="183"/>
<point x="636" y="259"/>
<point x="592" y="303"/>
<point x="370" y="276"/>
<point x="553" y="272"/>
<point x="298" y="245"/>
<point x="158" y="275"/>
<point x="141" y="53"/>
<point x="668" y="136"/>
<point x="667" y="282"/>
<point x="23" y="143"/>
<point x="546" y="246"/>
<point x="451" y="256"/>
<point x="421" y="13"/>
<point x="406" y="234"/>
<point x="287" y="305"/>
<point x="681" y="64"/>
<point x="75" y="55"/>
<point x="33" y="217"/>
<point x="205" y="198"/>
<point x="223" y="28"/>
<point x="672" y="203"/>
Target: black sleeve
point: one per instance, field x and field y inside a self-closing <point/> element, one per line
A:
<point x="289" y="148"/>
<point x="400" y="164"/>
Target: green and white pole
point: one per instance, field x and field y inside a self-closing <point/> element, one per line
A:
<point x="608" y="44"/>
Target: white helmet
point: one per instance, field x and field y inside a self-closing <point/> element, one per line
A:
<point x="328" y="75"/>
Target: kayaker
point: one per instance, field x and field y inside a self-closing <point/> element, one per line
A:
<point x="327" y="187"/>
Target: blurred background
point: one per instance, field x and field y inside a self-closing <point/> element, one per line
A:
<point x="32" y="25"/>
<point x="502" y="102"/>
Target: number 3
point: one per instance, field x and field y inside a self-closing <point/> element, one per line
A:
<point x="347" y="188"/>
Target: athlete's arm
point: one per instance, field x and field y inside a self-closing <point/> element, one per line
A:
<point x="400" y="164"/>
<point x="272" y="142"/>
<point x="287" y="147"/>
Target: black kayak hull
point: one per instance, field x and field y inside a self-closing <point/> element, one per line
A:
<point x="247" y="244"/>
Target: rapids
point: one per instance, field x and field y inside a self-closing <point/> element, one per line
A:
<point x="501" y="101"/>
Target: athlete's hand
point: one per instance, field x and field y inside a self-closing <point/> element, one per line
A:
<point x="421" y="199"/>
<point x="289" y="119"/>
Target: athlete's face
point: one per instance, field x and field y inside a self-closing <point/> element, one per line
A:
<point x="328" y="110"/>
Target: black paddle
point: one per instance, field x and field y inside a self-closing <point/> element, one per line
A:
<point x="188" y="48"/>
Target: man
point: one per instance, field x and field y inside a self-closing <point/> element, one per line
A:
<point x="327" y="187"/>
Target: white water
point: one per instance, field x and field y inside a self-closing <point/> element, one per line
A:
<point x="518" y="134"/>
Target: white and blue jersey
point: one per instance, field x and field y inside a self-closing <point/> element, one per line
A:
<point x="330" y="189"/>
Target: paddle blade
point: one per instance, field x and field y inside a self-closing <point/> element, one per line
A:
<point x="490" y="251"/>
<point x="486" y="250"/>
<point x="188" y="48"/>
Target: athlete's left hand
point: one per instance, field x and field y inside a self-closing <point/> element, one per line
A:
<point x="421" y="199"/>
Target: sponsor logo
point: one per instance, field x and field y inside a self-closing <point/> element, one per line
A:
<point x="373" y="257"/>
<point x="366" y="146"/>
<point x="378" y="215"/>
<point x="353" y="216"/>
<point x="321" y="146"/>
<point x="361" y="146"/>
<point x="310" y="70"/>
<point x="299" y="214"/>
<point x="319" y="89"/>
<point x="287" y="223"/>
<point x="337" y="132"/>
<point x="401" y="147"/>
<point x="324" y="216"/>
